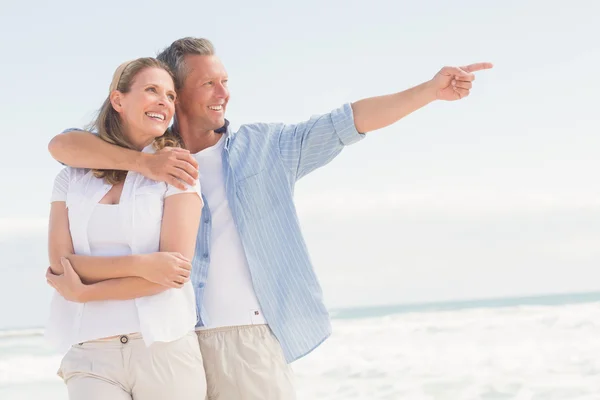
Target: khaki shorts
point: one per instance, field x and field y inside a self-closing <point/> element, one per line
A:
<point x="123" y="368"/>
<point x="245" y="363"/>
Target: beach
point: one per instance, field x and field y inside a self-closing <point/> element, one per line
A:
<point x="541" y="348"/>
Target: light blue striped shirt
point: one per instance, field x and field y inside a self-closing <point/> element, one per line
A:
<point x="262" y="163"/>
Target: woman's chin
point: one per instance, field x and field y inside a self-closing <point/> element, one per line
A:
<point x="156" y="131"/>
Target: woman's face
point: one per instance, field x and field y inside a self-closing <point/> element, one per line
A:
<point x="147" y="109"/>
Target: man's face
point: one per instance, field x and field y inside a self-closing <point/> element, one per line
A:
<point x="204" y="94"/>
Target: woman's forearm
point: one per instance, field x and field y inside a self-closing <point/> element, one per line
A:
<point x="93" y="269"/>
<point x="120" y="289"/>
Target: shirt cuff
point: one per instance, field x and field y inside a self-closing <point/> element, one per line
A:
<point x="343" y="122"/>
<point x="78" y="130"/>
<point x="71" y="130"/>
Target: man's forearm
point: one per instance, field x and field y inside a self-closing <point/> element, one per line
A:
<point x="93" y="269"/>
<point x="378" y="112"/>
<point x="85" y="150"/>
<point x="120" y="289"/>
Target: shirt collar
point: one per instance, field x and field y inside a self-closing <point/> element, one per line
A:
<point x="224" y="128"/>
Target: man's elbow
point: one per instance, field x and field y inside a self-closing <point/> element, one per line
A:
<point x="56" y="146"/>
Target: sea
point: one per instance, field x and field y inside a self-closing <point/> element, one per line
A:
<point x="530" y="348"/>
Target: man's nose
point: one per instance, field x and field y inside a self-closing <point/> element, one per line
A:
<point x="222" y="90"/>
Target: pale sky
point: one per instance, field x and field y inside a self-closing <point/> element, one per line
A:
<point x="495" y="195"/>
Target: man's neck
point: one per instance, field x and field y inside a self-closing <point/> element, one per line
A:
<point x="195" y="137"/>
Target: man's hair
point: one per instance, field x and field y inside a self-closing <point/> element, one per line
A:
<point x="174" y="56"/>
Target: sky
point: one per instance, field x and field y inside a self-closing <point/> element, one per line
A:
<point x="492" y="196"/>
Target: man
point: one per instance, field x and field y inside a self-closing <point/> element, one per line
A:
<point x="260" y="304"/>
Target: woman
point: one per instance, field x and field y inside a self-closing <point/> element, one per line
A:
<point x="128" y="323"/>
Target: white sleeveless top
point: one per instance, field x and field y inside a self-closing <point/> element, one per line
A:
<point x="131" y="227"/>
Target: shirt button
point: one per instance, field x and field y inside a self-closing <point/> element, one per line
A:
<point x="200" y="285"/>
<point x="206" y="220"/>
<point x="205" y="255"/>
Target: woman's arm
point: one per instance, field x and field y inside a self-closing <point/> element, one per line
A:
<point x="60" y="243"/>
<point x="163" y="268"/>
<point x="68" y="283"/>
<point x="69" y="286"/>
<point x="181" y="219"/>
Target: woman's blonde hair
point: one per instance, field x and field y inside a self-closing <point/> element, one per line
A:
<point x="109" y="125"/>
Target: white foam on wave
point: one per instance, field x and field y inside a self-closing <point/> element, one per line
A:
<point x="21" y="332"/>
<point x="29" y="369"/>
<point x="505" y="353"/>
<point x="516" y="353"/>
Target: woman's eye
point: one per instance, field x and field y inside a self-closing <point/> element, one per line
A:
<point x="151" y="89"/>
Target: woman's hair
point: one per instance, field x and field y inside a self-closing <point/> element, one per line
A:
<point x="109" y="124"/>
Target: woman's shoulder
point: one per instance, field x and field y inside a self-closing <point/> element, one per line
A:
<point x="70" y="175"/>
<point x="144" y="184"/>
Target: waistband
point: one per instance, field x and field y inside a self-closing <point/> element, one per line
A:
<point x="118" y="340"/>
<point x="236" y="328"/>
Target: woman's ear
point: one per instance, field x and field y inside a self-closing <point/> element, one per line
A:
<point x="116" y="98"/>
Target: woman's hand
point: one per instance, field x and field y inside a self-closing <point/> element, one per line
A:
<point x="165" y="268"/>
<point x="69" y="284"/>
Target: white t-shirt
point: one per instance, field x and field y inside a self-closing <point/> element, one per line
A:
<point x="229" y="297"/>
<point x="131" y="227"/>
<point x="102" y="319"/>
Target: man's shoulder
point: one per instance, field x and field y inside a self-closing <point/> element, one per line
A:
<point x="257" y="133"/>
<point x="259" y="127"/>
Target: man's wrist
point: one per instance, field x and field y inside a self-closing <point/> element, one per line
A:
<point x="429" y="91"/>
<point x="139" y="163"/>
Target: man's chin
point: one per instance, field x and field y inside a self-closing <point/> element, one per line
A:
<point x="211" y="124"/>
<point x="218" y="124"/>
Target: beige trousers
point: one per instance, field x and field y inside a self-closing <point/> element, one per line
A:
<point x="245" y="363"/>
<point x="123" y="368"/>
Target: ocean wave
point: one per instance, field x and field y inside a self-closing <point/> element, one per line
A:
<point x="512" y="353"/>
<point x="12" y="333"/>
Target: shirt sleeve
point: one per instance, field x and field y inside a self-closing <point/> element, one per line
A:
<point x="77" y="130"/>
<point x="61" y="186"/>
<point x="309" y="145"/>
<point x="171" y="190"/>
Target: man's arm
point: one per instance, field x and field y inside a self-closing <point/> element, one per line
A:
<point x="378" y="112"/>
<point x="451" y="83"/>
<point x="309" y="145"/>
<point x="82" y="149"/>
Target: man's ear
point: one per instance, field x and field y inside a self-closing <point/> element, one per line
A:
<point x="116" y="98"/>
